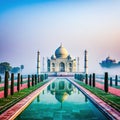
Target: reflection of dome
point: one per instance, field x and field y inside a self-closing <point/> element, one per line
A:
<point x="61" y="96"/>
<point x="61" y="52"/>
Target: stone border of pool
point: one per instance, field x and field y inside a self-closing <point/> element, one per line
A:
<point x="15" y="110"/>
<point x="111" y="112"/>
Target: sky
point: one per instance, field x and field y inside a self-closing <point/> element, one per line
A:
<point x="27" y="26"/>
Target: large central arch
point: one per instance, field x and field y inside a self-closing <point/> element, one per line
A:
<point x="62" y="67"/>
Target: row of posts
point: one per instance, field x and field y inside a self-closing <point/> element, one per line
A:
<point x="92" y="80"/>
<point x="35" y="80"/>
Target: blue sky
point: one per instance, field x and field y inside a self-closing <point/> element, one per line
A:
<point x="27" y="26"/>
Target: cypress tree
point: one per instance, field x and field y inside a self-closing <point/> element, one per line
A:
<point x="86" y="79"/>
<point x="35" y="79"/>
<point x="28" y="81"/>
<point x="21" y="80"/>
<point x="38" y="78"/>
<point x="0" y="79"/>
<point x="90" y="79"/>
<point x="75" y="76"/>
<point x="42" y="77"/>
<point x="106" y="82"/>
<point x="6" y="83"/>
<point x="32" y="80"/>
<point x="18" y="82"/>
<point x="93" y="79"/>
<point x="12" y="84"/>
<point x="110" y="81"/>
<point x="116" y="80"/>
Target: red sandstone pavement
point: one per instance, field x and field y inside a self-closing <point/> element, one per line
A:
<point x="111" y="90"/>
<point x="15" y="89"/>
<point x="2" y="84"/>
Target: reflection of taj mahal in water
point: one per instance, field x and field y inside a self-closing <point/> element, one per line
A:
<point x="61" y="63"/>
<point x="61" y="89"/>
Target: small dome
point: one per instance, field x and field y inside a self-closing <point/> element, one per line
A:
<point x="61" y="52"/>
<point x="53" y="57"/>
<point x="69" y="57"/>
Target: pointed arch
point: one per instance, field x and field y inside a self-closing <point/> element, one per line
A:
<point x="62" y="67"/>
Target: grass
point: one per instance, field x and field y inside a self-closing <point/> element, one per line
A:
<point x="6" y="103"/>
<point x="110" y="99"/>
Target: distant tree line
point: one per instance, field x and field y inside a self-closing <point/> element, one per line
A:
<point x="5" y="66"/>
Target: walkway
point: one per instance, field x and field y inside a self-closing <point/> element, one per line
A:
<point x="15" y="110"/>
<point x="15" y="90"/>
<point x="105" y="107"/>
<point x="111" y="90"/>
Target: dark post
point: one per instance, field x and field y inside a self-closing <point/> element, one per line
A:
<point x="75" y="76"/>
<point x="12" y="84"/>
<point x="6" y="84"/>
<point x="93" y="79"/>
<point x="110" y="81"/>
<point x="86" y="79"/>
<point x="21" y="80"/>
<point x="35" y="79"/>
<point x="90" y="79"/>
<point x="106" y="82"/>
<point x="116" y="80"/>
<point x="0" y="79"/>
<point x="42" y="77"/>
<point x="32" y="80"/>
<point x="28" y="81"/>
<point x="18" y="82"/>
<point x="38" y="78"/>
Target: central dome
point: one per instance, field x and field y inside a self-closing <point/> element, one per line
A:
<point x="61" y="52"/>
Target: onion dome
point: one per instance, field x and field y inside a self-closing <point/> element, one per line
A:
<point x="53" y="57"/>
<point x="69" y="57"/>
<point x="61" y="52"/>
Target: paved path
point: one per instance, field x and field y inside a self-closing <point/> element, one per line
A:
<point x="111" y="90"/>
<point x="15" y="110"/>
<point x="15" y="89"/>
<point x="105" y="107"/>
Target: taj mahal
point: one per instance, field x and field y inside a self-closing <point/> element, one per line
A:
<point x="61" y="62"/>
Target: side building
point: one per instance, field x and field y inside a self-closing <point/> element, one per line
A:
<point x="61" y="61"/>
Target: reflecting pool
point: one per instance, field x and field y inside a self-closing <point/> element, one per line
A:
<point x="61" y="101"/>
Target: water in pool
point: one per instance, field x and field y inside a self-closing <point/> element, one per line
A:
<point x="61" y="101"/>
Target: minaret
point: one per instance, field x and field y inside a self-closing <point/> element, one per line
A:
<point x="86" y="63"/>
<point x="38" y="63"/>
<point x="43" y="64"/>
<point x="77" y="64"/>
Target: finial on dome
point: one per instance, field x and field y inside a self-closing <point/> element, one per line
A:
<point x="61" y="44"/>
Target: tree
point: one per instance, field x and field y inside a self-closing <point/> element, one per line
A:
<point x="5" y="66"/>
<point x="21" y="67"/>
<point x="15" y="69"/>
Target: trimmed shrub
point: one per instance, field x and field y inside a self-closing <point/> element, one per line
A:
<point x="106" y="82"/>
<point x="18" y="82"/>
<point x="93" y="79"/>
<point x="12" y="84"/>
<point x="28" y="81"/>
<point x="6" y="84"/>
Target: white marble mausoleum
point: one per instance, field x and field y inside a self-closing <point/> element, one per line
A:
<point x="61" y="61"/>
